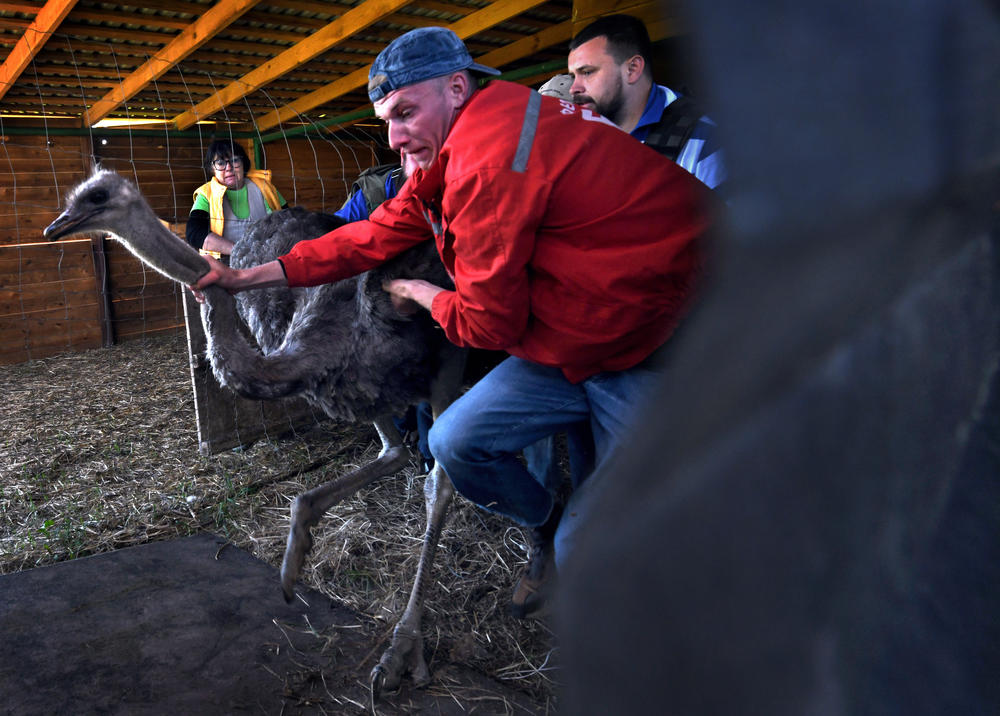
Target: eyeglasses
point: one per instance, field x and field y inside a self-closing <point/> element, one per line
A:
<point x="221" y="164"/>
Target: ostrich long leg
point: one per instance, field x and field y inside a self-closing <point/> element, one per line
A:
<point x="405" y="653"/>
<point x="310" y="506"/>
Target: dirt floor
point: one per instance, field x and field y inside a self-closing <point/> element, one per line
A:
<point x="98" y="452"/>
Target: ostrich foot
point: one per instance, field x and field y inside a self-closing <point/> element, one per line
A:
<point x="300" y="541"/>
<point x="404" y="655"/>
<point x="309" y="508"/>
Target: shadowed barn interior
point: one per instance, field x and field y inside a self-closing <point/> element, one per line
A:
<point x="810" y="522"/>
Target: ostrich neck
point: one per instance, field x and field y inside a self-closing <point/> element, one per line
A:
<point x="160" y="248"/>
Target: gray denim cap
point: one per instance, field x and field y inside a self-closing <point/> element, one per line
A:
<point x="419" y="55"/>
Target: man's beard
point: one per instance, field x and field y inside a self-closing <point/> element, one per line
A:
<point x="610" y="107"/>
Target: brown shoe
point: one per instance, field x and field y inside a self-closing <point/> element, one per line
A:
<point x="533" y="589"/>
<point x="537" y="581"/>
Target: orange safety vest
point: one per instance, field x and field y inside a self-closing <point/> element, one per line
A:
<point x="214" y="192"/>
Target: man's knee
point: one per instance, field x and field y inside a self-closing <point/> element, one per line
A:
<point x="439" y="439"/>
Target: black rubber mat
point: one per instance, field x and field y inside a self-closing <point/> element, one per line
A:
<point x="196" y="626"/>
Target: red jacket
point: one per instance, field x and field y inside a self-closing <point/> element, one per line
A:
<point x="584" y="261"/>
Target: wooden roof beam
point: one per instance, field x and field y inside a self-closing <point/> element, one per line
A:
<point x="33" y="39"/>
<point x="28" y="8"/>
<point x="466" y="27"/>
<point x="344" y="26"/>
<point x="220" y="16"/>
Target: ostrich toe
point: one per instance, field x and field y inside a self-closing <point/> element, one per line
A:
<point x="405" y="654"/>
<point x="299" y="543"/>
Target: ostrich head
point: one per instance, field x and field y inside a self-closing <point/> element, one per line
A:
<point x="101" y="202"/>
<point x="105" y="201"/>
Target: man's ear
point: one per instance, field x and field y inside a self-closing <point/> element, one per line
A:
<point x="634" y="67"/>
<point x="460" y="86"/>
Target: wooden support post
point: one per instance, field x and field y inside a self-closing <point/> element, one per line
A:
<point x="104" y="307"/>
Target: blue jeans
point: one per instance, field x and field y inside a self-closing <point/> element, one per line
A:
<point x="542" y="459"/>
<point x="478" y="438"/>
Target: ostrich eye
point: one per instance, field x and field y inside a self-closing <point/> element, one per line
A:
<point x="98" y="196"/>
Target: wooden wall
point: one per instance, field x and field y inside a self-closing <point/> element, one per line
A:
<point x="318" y="173"/>
<point x="85" y="293"/>
<point x="48" y="298"/>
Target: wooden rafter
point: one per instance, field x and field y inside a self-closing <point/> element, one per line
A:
<point x="344" y="26"/>
<point x="123" y="34"/>
<point x="470" y="25"/>
<point x="123" y="18"/>
<point x="33" y="39"/>
<point x="97" y="44"/>
<point x="220" y="16"/>
<point x="28" y="8"/>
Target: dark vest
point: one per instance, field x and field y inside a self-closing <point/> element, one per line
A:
<point x="371" y="184"/>
<point x="670" y="134"/>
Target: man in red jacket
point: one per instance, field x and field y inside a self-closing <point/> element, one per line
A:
<point x="572" y="247"/>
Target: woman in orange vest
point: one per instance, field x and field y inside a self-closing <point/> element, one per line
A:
<point x="236" y="197"/>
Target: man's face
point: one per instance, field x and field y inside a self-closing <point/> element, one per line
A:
<point x="419" y="117"/>
<point x="598" y="81"/>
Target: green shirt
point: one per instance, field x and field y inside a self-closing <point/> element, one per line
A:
<point x="238" y="201"/>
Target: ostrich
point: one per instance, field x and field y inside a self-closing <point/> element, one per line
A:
<point x="342" y="346"/>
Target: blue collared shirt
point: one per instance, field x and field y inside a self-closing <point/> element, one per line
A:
<point x="701" y="154"/>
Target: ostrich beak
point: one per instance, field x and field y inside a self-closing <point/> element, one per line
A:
<point x="65" y="225"/>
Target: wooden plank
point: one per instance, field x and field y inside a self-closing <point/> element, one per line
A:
<point x="11" y="355"/>
<point x="194" y="35"/>
<point x="58" y="302"/>
<point x="122" y="291"/>
<point x="661" y="19"/>
<point x="53" y="257"/>
<point x="62" y="315"/>
<point x="350" y="22"/>
<point x="29" y="222"/>
<point x="478" y="21"/>
<point x="318" y="175"/>
<point x="149" y="308"/>
<point x="149" y="160"/>
<point x="149" y="332"/>
<point x="22" y="192"/>
<point x="52" y="327"/>
<point x="28" y="8"/>
<point x="129" y="274"/>
<point x="46" y="275"/>
<point x="46" y="338"/>
<point x="20" y="176"/>
<point x="127" y="330"/>
<point x="123" y="34"/>
<point x="172" y="23"/>
<point x="38" y="249"/>
<point x="224" y="419"/>
<point x="126" y="267"/>
<point x="33" y="39"/>
<point x="36" y="297"/>
<point x="528" y="45"/>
